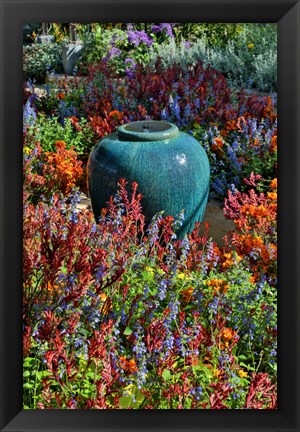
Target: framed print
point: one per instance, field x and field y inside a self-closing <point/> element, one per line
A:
<point x="149" y="215"/>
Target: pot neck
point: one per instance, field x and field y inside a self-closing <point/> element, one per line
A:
<point x="148" y="130"/>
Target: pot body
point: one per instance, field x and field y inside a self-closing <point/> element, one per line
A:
<point x="170" y="167"/>
<point x="70" y="56"/>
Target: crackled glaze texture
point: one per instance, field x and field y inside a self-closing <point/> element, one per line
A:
<point x="170" y="167"/>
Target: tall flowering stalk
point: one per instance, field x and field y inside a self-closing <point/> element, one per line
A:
<point x="113" y="317"/>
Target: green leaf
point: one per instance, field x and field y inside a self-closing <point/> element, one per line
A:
<point x="26" y="373"/>
<point x="166" y="375"/>
<point x="147" y="275"/>
<point x="64" y="270"/>
<point x="153" y="290"/>
<point x="139" y="396"/>
<point x="247" y="366"/>
<point x="125" y="401"/>
<point x="242" y="357"/>
<point x="43" y="374"/>
<point x="128" y="331"/>
<point x="28" y="361"/>
<point x="28" y="386"/>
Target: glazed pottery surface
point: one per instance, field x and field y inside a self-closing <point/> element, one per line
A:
<point x="170" y="167"/>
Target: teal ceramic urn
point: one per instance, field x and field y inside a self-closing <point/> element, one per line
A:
<point x="170" y="167"/>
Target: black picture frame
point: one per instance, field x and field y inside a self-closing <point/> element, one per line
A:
<point x="16" y="12"/>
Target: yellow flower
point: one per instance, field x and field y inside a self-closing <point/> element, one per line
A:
<point x="130" y="390"/>
<point x="238" y="257"/>
<point x="160" y="271"/>
<point x="27" y="150"/>
<point x="273" y="183"/>
<point x="242" y="373"/>
<point x="272" y="195"/>
<point x="218" y="373"/>
<point x="183" y="276"/>
<point x="149" y="269"/>
<point x="250" y="46"/>
<point x="103" y="297"/>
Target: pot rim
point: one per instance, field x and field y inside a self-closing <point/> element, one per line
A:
<point x="148" y="130"/>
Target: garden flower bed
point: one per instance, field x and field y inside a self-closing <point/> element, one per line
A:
<point x="119" y="314"/>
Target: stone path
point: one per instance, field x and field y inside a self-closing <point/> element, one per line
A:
<point x="218" y="224"/>
<point x="85" y="203"/>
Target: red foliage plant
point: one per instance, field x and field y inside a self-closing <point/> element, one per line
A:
<point x="255" y="217"/>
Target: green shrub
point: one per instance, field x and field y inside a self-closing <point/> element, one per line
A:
<point x="97" y="44"/>
<point x="115" y="46"/>
<point x="47" y="131"/>
<point x="40" y="58"/>
<point x="218" y="34"/>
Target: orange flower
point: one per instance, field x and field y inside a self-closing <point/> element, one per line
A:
<point x="103" y="297"/>
<point x="273" y="183"/>
<point x="268" y="254"/>
<point x="228" y="333"/>
<point x="117" y="114"/>
<point x="217" y="145"/>
<point x="231" y="125"/>
<point x="218" y="373"/>
<point x="228" y="262"/>
<point x="249" y="242"/>
<point x="224" y="132"/>
<point x="62" y="169"/>
<point x="272" y="196"/>
<point x="61" y="95"/>
<point x="60" y="145"/>
<point x="54" y="288"/>
<point x="218" y="285"/>
<point x="255" y="211"/>
<point x="75" y="119"/>
<point x="129" y="366"/>
<point x="252" y="279"/>
<point x="187" y="294"/>
<point x="269" y="107"/>
<point x="273" y="144"/>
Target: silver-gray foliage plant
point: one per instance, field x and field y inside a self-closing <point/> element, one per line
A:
<point x="243" y="62"/>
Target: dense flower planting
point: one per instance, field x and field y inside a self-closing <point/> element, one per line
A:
<point x="123" y="315"/>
